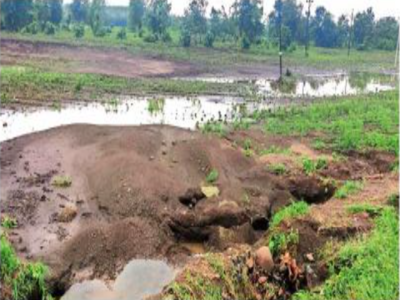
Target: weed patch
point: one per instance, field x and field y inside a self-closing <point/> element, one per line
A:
<point x="294" y="210"/>
<point x="348" y="188"/>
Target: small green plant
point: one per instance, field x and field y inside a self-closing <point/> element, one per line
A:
<point x="121" y="35"/>
<point x="8" y="222"/>
<point x="318" y="144"/>
<point x="212" y="176"/>
<point x="56" y="105"/>
<point x="369" y="209"/>
<point x="277" y="169"/>
<point x="217" y="128"/>
<point x="294" y="210"/>
<point x="282" y="241"/>
<point x="393" y="200"/>
<point x="310" y="166"/>
<point x="275" y="150"/>
<point x="348" y="188"/>
<point x="62" y="181"/>
<point x="156" y="105"/>
<point x="246" y="199"/>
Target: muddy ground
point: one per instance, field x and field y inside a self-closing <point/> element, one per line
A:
<point x="138" y="192"/>
<point x="63" y="57"/>
<point x="94" y="60"/>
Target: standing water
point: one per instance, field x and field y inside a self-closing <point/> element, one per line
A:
<point x="139" y="279"/>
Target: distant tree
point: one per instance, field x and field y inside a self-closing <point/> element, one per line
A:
<point x="386" y="34"/>
<point x="79" y="10"/>
<point x="96" y="17"/>
<point x="158" y="17"/>
<point x="247" y="15"/>
<point x="292" y="20"/>
<point x="56" y="11"/>
<point x="221" y="26"/>
<point x="137" y="9"/>
<point x="195" y="19"/>
<point x="343" y="26"/>
<point x="16" y="14"/>
<point x="364" y="25"/>
<point x="324" y="29"/>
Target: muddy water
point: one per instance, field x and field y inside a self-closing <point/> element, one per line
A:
<point x="177" y="111"/>
<point x="318" y="86"/>
<point x="139" y="280"/>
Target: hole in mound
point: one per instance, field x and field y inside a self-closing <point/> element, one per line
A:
<point x="311" y="189"/>
<point x="191" y="197"/>
<point x="260" y="224"/>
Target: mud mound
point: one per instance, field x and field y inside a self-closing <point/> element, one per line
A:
<point x="129" y="194"/>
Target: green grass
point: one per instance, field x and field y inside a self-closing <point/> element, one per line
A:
<point x="311" y="166"/>
<point x="23" y="280"/>
<point x="35" y="84"/>
<point x="348" y="188"/>
<point x="8" y="223"/>
<point x="277" y="169"/>
<point x="156" y="105"/>
<point x="294" y="210"/>
<point x="351" y="123"/>
<point x="225" y="53"/>
<point x="279" y="242"/>
<point x="366" y="268"/>
<point x="212" y="177"/>
<point x="368" y="208"/>
<point x="215" y="127"/>
<point x="62" y="181"/>
<point x="275" y="150"/>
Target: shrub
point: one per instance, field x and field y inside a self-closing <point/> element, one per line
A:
<point x="166" y="38"/>
<point x="79" y="30"/>
<point x="245" y="43"/>
<point x="209" y="40"/>
<point x="121" y="35"/>
<point x="150" y="38"/>
<point x="49" y="28"/>
<point x="186" y="38"/>
<point x="32" y="28"/>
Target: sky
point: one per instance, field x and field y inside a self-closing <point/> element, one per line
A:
<point x="382" y="8"/>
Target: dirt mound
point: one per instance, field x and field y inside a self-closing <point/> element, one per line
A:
<point x="127" y="196"/>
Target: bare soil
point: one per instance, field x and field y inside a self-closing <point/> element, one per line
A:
<point x="136" y="193"/>
<point x="95" y="60"/>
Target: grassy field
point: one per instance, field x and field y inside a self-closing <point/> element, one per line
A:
<point x="227" y="53"/>
<point x="19" y="83"/>
<point x="351" y="123"/>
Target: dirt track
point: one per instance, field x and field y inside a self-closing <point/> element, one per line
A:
<point x="95" y="60"/>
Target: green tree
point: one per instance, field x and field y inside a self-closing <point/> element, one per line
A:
<point x="386" y="34"/>
<point x="96" y="17"/>
<point x="343" y="27"/>
<point x="16" y="14"/>
<point x="324" y="28"/>
<point x="364" y="25"/>
<point x="158" y="17"/>
<point x="56" y="11"/>
<point x="195" y="19"/>
<point x="79" y="10"/>
<point x="137" y="9"/>
<point x="247" y="15"/>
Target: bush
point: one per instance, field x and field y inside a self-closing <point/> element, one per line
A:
<point x="292" y="47"/>
<point x="79" y="30"/>
<point x="245" y="43"/>
<point x="121" y="35"/>
<point x="186" y="38"/>
<point x="166" y="38"/>
<point x="151" y="38"/>
<point x="49" y="28"/>
<point x="209" y="41"/>
<point x="32" y="28"/>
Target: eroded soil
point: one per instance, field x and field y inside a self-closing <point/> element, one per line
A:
<point x="137" y="193"/>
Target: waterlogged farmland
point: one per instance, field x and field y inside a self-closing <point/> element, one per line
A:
<point x="158" y="161"/>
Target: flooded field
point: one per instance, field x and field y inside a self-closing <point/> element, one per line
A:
<point x="187" y="112"/>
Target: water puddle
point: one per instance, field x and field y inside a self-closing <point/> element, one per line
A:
<point x="317" y="86"/>
<point x="177" y="111"/>
<point x="139" y="280"/>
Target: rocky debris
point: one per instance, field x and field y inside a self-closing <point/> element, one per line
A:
<point x="67" y="214"/>
<point x="264" y="258"/>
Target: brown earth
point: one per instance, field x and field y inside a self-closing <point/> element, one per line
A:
<point x="95" y="60"/>
<point x="136" y="193"/>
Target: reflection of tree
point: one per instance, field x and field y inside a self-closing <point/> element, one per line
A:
<point x="315" y="83"/>
<point x="284" y="85"/>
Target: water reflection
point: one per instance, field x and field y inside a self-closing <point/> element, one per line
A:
<point x="139" y="280"/>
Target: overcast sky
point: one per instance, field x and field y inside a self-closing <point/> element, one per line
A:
<point x="382" y="8"/>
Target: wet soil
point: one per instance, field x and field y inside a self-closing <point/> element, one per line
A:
<point x="138" y="193"/>
<point x="95" y="60"/>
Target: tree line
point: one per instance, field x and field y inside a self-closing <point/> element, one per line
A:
<point x="288" y="24"/>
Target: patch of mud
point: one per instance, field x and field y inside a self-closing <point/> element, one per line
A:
<point x="97" y="60"/>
